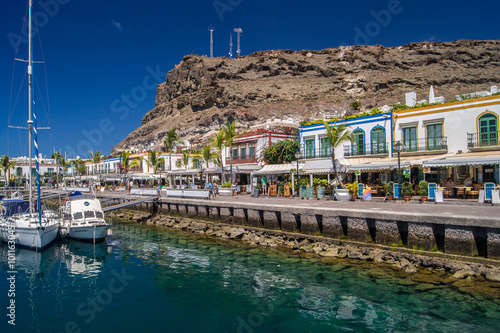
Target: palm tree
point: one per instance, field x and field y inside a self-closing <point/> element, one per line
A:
<point x="79" y="165"/>
<point x="217" y="142"/>
<point x="184" y="161"/>
<point x="154" y="160"/>
<point x="125" y="162"/>
<point x="207" y="156"/>
<point x="171" y="141"/>
<point x="337" y="135"/>
<point x="229" y="135"/>
<point x="5" y="165"/>
<point x="96" y="158"/>
<point x="64" y="165"/>
<point x="57" y="157"/>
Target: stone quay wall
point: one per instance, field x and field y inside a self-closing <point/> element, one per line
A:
<point x="448" y="234"/>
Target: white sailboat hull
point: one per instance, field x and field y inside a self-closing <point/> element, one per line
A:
<point x="29" y="235"/>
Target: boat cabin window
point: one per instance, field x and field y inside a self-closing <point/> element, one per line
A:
<point x="67" y="216"/>
<point x="99" y="215"/>
<point x="89" y="213"/>
<point x="77" y="215"/>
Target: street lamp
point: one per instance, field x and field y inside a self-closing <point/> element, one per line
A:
<point x="297" y="157"/>
<point x="399" y="147"/>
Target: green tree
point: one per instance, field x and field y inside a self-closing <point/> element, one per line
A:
<point x="229" y="135"/>
<point x="217" y="142"/>
<point x="96" y="158"/>
<point x="184" y="161"/>
<point x="125" y="163"/>
<point x="337" y="135"/>
<point x="170" y="142"/>
<point x="280" y="152"/>
<point x="79" y="165"/>
<point x="207" y="156"/>
<point x="154" y="160"/>
<point x="6" y="165"/>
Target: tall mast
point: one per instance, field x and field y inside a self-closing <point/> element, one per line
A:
<point x="30" y="107"/>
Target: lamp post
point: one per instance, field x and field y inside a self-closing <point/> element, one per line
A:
<point x="399" y="147"/>
<point x="297" y="157"/>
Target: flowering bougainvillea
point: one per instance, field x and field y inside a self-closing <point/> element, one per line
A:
<point x="280" y="152"/>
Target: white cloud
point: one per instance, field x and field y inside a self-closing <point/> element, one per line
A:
<point x="117" y="24"/>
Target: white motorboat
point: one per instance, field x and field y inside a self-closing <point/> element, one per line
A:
<point x="83" y="218"/>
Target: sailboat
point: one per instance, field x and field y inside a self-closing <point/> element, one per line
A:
<point x="23" y="222"/>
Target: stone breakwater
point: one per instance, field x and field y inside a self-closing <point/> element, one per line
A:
<point x="423" y="267"/>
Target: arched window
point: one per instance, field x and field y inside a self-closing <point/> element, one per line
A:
<point x="488" y="130"/>
<point x="358" y="144"/>
<point x="378" y="144"/>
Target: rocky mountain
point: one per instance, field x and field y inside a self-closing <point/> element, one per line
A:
<point x="201" y="93"/>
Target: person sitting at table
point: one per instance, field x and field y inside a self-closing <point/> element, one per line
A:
<point x="468" y="182"/>
<point x="449" y="182"/>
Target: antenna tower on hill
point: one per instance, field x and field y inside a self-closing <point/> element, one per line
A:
<point x="238" y="31"/>
<point x="211" y="29"/>
<point x="230" y="45"/>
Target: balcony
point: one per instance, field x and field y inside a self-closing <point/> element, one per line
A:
<point x="429" y="145"/>
<point x="241" y="159"/>
<point x="316" y="153"/>
<point x="366" y="150"/>
<point x="483" y="141"/>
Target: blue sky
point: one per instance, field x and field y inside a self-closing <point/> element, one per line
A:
<point x="104" y="58"/>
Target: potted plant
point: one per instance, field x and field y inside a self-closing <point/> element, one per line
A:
<point x="389" y="190"/>
<point x="423" y="189"/>
<point x="406" y="190"/>
<point x="353" y="189"/>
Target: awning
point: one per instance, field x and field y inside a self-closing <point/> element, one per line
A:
<point x="482" y="158"/>
<point x="142" y="176"/>
<point x="321" y="167"/>
<point x="215" y="170"/>
<point x="185" y="172"/>
<point x="276" y="169"/>
<point x="247" y="168"/>
<point x="381" y="164"/>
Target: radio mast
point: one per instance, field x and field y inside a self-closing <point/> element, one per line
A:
<point x="238" y="32"/>
<point x="211" y="29"/>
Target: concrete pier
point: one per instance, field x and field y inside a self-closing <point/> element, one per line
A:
<point x="469" y="231"/>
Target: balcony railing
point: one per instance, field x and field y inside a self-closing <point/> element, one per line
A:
<point x="242" y="159"/>
<point x="367" y="149"/>
<point x="420" y="145"/>
<point x="316" y="153"/>
<point x="480" y="140"/>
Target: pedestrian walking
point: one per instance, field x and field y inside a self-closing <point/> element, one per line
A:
<point x="234" y="190"/>
<point x="210" y="190"/>
<point x="216" y="189"/>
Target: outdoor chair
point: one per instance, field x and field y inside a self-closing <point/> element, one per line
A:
<point x="460" y="192"/>
<point x="448" y="191"/>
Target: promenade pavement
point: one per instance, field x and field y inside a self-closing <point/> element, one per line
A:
<point x="449" y="208"/>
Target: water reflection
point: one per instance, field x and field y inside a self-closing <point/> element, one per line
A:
<point x="188" y="283"/>
<point x="83" y="258"/>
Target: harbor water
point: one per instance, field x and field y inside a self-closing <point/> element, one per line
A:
<point x="145" y="279"/>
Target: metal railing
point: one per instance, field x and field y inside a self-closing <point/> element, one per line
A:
<point x="242" y="159"/>
<point x="429" y="144"/>
<point x="367" y="149"/>
<point x="478" y="140"/>
<point x="316" y="153"/>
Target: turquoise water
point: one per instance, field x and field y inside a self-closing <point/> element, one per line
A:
<point x="150" y="280"/>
